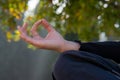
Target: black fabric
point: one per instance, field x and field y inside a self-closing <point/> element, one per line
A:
<point x="92" y="62"/>
<point x="81" y="65"/>
<point x="109" y="49"/>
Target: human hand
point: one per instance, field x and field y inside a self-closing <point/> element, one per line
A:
<point x="53" y="40"/>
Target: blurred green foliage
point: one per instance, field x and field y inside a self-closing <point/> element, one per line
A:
<point x="84" y="18"/>
<point x="11" y="12"/>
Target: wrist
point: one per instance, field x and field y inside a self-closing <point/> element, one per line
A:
<point x="70" y="45"/>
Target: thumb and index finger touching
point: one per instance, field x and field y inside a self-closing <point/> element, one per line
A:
<point x="34" y="32"/>
<point x="42" y="22"/>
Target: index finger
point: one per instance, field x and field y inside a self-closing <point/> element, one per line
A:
<point x="45" y="24"/>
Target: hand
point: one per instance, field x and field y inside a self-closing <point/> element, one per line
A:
<point x="53" y="40"/>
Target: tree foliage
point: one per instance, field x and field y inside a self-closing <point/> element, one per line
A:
<point x="84" y="18"/>
<point x="11" y="12"/>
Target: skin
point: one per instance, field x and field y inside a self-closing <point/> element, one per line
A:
<point x="53" y="40"/>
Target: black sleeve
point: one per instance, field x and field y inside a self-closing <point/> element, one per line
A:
<point x="81" y="65"/>
<point x="108" y="49"/>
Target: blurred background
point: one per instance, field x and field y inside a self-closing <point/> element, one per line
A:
<point x="85" y="20"/>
